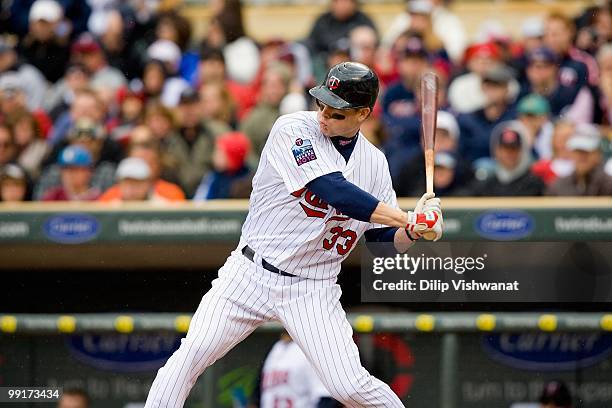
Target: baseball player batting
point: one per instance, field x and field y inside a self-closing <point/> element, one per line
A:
<point x="319" y="187"/>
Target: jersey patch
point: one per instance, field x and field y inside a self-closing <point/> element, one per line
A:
<point x="303" y="151"/>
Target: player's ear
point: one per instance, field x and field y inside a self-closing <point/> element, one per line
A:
<point x="364" y="113"/>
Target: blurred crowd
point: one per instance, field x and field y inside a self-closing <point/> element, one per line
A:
<point x="116" y="100"/>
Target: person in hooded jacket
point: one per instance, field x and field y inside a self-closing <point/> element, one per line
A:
<point x="511" y="174"/>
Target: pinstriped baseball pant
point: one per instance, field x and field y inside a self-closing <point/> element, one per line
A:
<point x="244" y="296"/>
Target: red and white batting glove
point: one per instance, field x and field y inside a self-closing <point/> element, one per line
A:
<point x="427" y="217"/>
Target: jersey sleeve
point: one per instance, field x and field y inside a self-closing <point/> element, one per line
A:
<point x="298" y="154"/>
<point x="385" y="193"/>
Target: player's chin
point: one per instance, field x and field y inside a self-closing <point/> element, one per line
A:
<point x="325" y="130"/>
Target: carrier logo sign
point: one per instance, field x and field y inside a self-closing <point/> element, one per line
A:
<point x="71" y="228"/>
<point x="504" y="225"/>
<point x="548" y="351"/>
<point x="123" y="352"/>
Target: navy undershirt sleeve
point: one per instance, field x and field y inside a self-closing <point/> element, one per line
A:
<point x="386" y="234"/>
<point x="344" y="196"/>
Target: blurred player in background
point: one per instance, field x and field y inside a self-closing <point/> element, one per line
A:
<point x="288" y="380"/>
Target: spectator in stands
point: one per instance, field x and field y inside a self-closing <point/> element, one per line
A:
<point x="512" y="162"/>
<point x="22" y="75"/>
<point x="534" y="114"/>
<point x="421" y="25"/>
<point x="226" y="31"/>
<point x="230" y="177"/>
<point x="532" y="37"/>
<point x="544" y="79"/>
<point x="212" y="70"/>
<point x="74" y="398"/>
<point x="170" y="55"/>
<point x="401" y="113"/>
<point x="217" y="104"/>
<point x="411" y="179"/>
<point x="480" y="58"/>
<point x="161" y="122"/>
<point x="86" y="105"/>
<point x="104" y="153"/>
<point x="555" y="394"/>
<point x="29" y="142"/>
<point x="259" y="121"/>
<point x="12" y="98"/>
<point x="576" y="68"/>
<point x="130" y="106"/>
<point x="604" y="59"/>
<point x="46" y="46"/>
<point x="153" y="79"/>
<point x="162" y="189"/>
<point x="8" y="150"/>
<point x="14" y="184"/>
<point x="88" y="51"/>
<point x="115" y="36"/>
<point x="134" y="183"/>
<point x="363" y="45"/>
<point x="560" y="164"/>
<point x="342" y="17"/>
<point x="589" y="177"/>
<point x="76" y="170"/>
<point x="446" y="25"/>
<point x="63" y="92"/>
<point x="476" y="127"/>
<point x="193" y="145"/>
<point x="76" y="13"/>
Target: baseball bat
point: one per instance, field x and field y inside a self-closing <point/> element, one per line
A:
<point x="429" y="113"/>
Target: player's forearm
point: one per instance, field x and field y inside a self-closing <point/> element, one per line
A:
<point x="387" y="215"/>
<point x="401" y="241"/>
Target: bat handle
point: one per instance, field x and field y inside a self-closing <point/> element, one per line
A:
<point x="429" y="170"/>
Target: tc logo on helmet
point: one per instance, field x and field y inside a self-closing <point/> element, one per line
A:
<point x="333" y="82"/>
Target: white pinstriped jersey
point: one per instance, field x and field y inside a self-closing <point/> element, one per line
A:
<point x="288" y="379"/>
<point x="290" y="227"/>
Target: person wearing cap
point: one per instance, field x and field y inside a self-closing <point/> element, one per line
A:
<point x="480" y="58"/>
<point x="476" y="127"/>
<point x="14" y="184"/>
<point x="104" y="153"/>
<point x="231" y="176"/>
<point x="511" y="172"/>
<point x="532" y="37"/>
<point x="193" y="144"/>
<point x="134" y="183"/>
<point x="44" y="46"/>
<point x="149" y="152"/>
<point x="544" y="79"/>
<point x="411" y="179"/>
<point x="16" y="74"/>
<point x="446" y="25"/>
<point x="534" y="113"/>
<point x="170" y="55"/>
<point x="87" y="50"/>
<point x="76" y="164"/>
<point x="259" y="121"/>
<point x="555" y="394"/>
<point x="589" y="177"/>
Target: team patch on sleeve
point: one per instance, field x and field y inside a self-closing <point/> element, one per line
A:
<point x="303" y="151"/>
